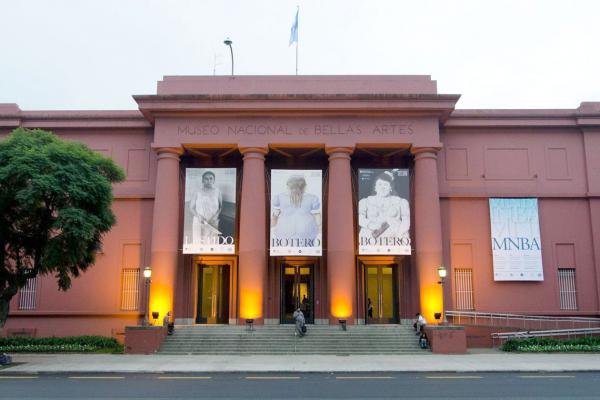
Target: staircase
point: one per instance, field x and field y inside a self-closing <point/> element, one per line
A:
<point x="280" y="339"/>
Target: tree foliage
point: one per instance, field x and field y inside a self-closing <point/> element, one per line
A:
<point x="55" y="206"/>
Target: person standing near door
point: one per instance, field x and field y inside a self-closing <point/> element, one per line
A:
<point x="369" y="309"/>
<point x="304" y="307"/>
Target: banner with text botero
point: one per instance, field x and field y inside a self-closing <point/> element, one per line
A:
<point x="209" y="216"/>
<point x="383" y="211"/>
<point x="516" y="246"/>
<point x="296" y="212"/>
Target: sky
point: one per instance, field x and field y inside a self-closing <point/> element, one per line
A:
<point x="96" y="54"/>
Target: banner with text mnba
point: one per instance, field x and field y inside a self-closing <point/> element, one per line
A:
<point x="516" y="244"/>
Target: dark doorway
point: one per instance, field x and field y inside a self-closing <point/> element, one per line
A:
<point x="213" y="294"/>
<point x="381" y="294"/>
<point x="297" y="291"/>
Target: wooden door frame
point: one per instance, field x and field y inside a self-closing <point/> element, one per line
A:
<point x="364" y="261"/>
<point x="233" y="272"/>
<point x="314" y="261"/>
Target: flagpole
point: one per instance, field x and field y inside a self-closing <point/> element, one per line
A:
<point x="298" y="39"/>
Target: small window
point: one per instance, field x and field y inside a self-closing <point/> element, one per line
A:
<point x="27" y="297"/>
<point x="463" y="289"/>
<point x="130" y="289"/>
<point x="567" y="288"/>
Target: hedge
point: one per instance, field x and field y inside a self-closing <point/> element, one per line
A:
<point x="551" y="345"/>
<point x="68" y="344"/>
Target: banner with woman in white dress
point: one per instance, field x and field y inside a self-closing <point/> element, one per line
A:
<point x="296" y="210"/>
<point x="209" y="217"/>
<point x="384" y="212"/>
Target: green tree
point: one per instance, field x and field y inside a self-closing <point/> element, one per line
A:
<point x="55" y="206"/>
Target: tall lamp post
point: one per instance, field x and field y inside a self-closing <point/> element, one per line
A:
<point x="229" y="43"/>
<point x="442" y="272"/>
<point x="147" y="276"/>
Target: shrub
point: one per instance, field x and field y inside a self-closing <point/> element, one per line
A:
<point x="68" y="344"/>
<point x="547" y="345"/>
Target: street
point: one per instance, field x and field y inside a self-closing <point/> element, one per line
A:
<point x="580" y="385"/>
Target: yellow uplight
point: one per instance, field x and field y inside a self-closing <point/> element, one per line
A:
<point x="161" y="300"/>
<point x="250" y="304"/>
<point x="431" y="301"/>
<point x="341" y="308"/>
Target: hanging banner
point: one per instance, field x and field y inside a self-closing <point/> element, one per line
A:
<point x="296" y="212"/>
<point x="209" y="217"/>
<point x="384" y="212"/>
<point x="516" y="245"/>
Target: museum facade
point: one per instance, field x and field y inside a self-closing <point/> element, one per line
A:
<point x="249" y="197"/>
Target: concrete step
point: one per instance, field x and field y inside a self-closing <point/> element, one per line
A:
<point x="280" y="339"/>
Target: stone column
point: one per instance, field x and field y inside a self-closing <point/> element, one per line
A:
<point x="341" y="269"/>
<point x="253" y="235"/>
<point x="165" y="233"/>
<point x="428" y="231"/>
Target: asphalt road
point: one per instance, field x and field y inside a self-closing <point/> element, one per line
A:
<point x="581" y="385"/>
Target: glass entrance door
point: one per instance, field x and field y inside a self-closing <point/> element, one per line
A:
<point x="381" y="294"/>
<point x="213" y="294"/>
<point x="297" y="283"/>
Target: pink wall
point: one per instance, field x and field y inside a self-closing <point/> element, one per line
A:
<point x="504" y="162"/>
<point x="553" y="155"/>
<point x="563" y="222"/>
<point x="540" y="156"/>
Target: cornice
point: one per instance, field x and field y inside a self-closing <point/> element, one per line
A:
<point x="549" y="118"/>
<point x="439" y="106"/>
<point x="74" y="119"/>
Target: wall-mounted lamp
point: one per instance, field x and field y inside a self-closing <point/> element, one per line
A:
<point x="147" y="276"/>
<point x="442" y="273"/>
<point x="342" y="324"/>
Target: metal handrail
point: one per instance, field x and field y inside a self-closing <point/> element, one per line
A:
<point x="479" y="314"/>
<point x="550" y="332"/>
<point x="523" y="321"/>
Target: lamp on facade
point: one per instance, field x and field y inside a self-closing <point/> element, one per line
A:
<point x="147" y="276"/>
<point x="442" y="273"/>
<point x="229" y="42"/>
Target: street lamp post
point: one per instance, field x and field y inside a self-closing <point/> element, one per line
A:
<point x="229" y="42"/>
<point x="442" y="272"/>
<point x="147" y="276"/>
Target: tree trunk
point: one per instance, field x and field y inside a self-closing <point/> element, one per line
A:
<point x="5" y="297"/>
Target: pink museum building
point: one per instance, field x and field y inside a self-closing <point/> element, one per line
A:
<point x="250" y="197"/>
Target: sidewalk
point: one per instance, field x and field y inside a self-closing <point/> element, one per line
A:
<point x="474" y="361"/>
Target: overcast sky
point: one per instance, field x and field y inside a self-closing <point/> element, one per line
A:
<point x="95" y="54"/>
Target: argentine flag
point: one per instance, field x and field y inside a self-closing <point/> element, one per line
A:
<point x="294" y="32"/>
